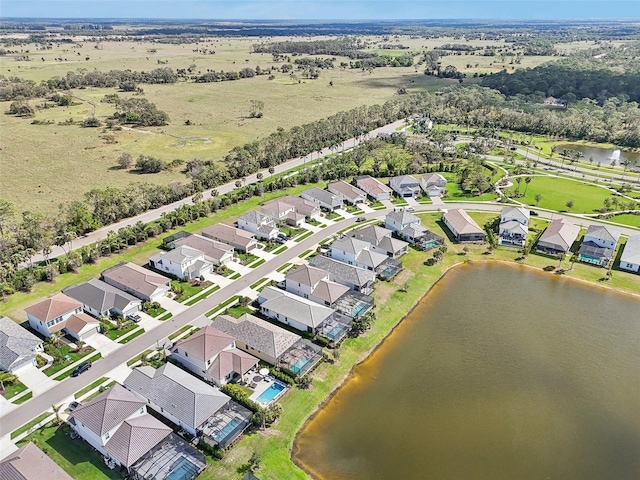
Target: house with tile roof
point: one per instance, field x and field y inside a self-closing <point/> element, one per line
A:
<point x="61" y="313"/>
<point x="18" y="346"/>
<point x="188" y="402"/>
<point x="433" y="184"/>
<point x="630" y="258"/>
<point x="356" y="278"/>
<point x="117" y="425"/>
<point x="263" y="226"/>
<point x="558" y="237"/>
<point x="598" y="245"/>
<point x="322" y="198"/>
<point x="405" y="185"/>
<point x="30" y="463"/>
<point x="289" y="209"/>
<point x="373" y="187"/>
<point x="182" y="262"/>
<point x="303" y="314"/>
<point x="463" y="227"/>
<point x="140" y="282"/>
<point x="347" y="192"/>
<point x="382" y="240"/>
<point x="218" y="253"/>
<point x="241" y="240"/>
<point x="101" y="299"/>
<point x="270" y="343"/>
<point x="212" y="355"/>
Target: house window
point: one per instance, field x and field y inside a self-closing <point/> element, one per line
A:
<point x="186" y="354"/>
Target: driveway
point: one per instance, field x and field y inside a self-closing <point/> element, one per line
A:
<point x="102" y="344"/>
<point x="36" y="381"/>
<point x="437" y="201"/>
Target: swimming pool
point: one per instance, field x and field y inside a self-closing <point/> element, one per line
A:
<point x="226" y="430"/>
<point x="182" y="469"/>
<point x="275" y="389"/>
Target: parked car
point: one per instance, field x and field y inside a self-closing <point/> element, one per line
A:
<point x="533" y="213"/>
<point x="83" y="367"/>
<point x="280" y="240"/>
<point x="72" y="406"/>
<point x="134" y="317"/>
<point x="360" y="219"/>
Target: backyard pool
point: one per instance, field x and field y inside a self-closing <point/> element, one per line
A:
<point x="300" y="365"/>
<point x="275" y="389"/>
<point x="182" y="469"/>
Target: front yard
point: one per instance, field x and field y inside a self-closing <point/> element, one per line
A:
<point x="186" y="290"/>
<point x="12" y="389"/>
<point x="62" y="353"/>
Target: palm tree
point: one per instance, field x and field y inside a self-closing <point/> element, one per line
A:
<point x="561" y="258"/>
<point x="56" y="410"/>
<point x="527" y="181"/>
<point x="7" y="377"/>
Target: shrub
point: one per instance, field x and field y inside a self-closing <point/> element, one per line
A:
<point x="239" y="396"/>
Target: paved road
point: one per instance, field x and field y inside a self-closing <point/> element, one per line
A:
<point x="151" y="215"/>
<point x="31" y="409"/>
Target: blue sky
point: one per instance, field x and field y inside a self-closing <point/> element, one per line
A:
<point x="323" y="9"/>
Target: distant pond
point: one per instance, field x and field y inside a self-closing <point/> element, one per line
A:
<point x="605" y="156"/>
<point x="501" y="372"/>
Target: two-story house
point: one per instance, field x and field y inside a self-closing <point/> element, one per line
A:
<point x="313" y="283"/>
<point x="212" y="355"/>
<point x="182" y="262"/>
<point x="356" y="278"/>
<point x="61" y="313"/>
<point x="514" y="226"/>
<point x="382" y="240"/>
<point x="359" y="253"/>
<point x="263" y="226"/>
<point x="433" y="184"/>
<point x="630" y="258"/>
<point x="598" y="245"/>
<point x="405" y="185"/>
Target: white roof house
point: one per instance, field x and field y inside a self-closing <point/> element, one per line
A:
<point x="433" y="184"/>
<point x="405" y="185"/>
<point x="602" y="236"/>
<point x="18" y="346"/>
<point x="263" y="226"/>
<point x="519" y="214"/>
<point x="357" y="252"/>
<point x="99" y="298"/>
<point x="323" y="198"/>
<point x="630" y="258"/>
<point x="218" y="253"/>
<point x="61" y="313"/>
<point x="300" y="313"/>
<point x="182" y="262"/>
<point x="356" y="278"/>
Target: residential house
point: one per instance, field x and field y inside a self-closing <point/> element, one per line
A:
<point x="30" y="463"/>
<point x="373" y="187"/>
<point x="347" y="192"/>
<point x="61" y="313"/>
<point x="241" y="240"/>
<point x="598" y="245"/>
<point x="558" y="237"/>
<point x="182" y="262"/>
<point x="463" y="227"/>
<point x="514" y="226"/>
<point x="212" y="355"/>
<point x="101" y="299"/>
<point x="314" y="284"/>
<point x="323" y="198"/>
<point x="117" y="425"/>
<point x="140" y="282"/>
<point x="218" y="253"/>
<point x="190" y="403"/>
<point x="270" y="343"/>
<point x="630" y="258"/>
<point x="433" y="184"/>
<point x="303" y="314"/>
<point x="290" y="208"/>
<point x="18" y="346"/>
<point x="357" y="279"/>
<point x="263" y="226"/>
<point x="382" y="240"/>
<point x="407" y="226"/>
<point x="405" y="185"/>
<point x="364" y="255"/>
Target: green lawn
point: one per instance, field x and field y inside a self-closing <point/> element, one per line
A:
<point x="114" y="333"/>
<point x="308" y="234"/>
<point x="90" y="359"/>
<point x="196" y="299"/>
<point x="12" y="389"/>
<point x="238" y="311"/>
<point x="177" y="333"/>
<point x="154" y="312"/>
<point x="258" y="263"/>
<point x="23" y="398"/>
<point x="626" y="219"/>
<point x="166" y="316"/>
<point x="280" y="250"/>
<point x="75" y="457"/>
<point x="88" y="388"/>
<point x="30" y="424"/>
<point x="73" y="357"/>
<point x="188" y="289"/>
<point x="556" y="192"/>
<point x="135" y="334"/>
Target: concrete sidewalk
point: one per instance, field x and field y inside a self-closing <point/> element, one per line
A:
<point x="36" y="381"/>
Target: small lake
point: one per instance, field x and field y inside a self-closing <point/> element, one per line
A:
<point x="602" y="155"/>
<point x="500" y="373"/>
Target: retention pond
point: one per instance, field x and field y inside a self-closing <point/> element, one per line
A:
<point x="501" y="372"/>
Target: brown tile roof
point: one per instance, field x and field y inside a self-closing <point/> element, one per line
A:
<point x="205" y="343"/>
<point x="53" y="307"/>
<point x="78" y="321"/>
<point x="136" y="437"/>
<point x="31" y="463"/>
<point x="372" y="185"/>
<point x="329" y="291"/>
<point x="228" y="234"/>
<point x="462" y="222"/>
<point x="234" y="360"/>
<point x="346" y="189"/>
<point x="136" y="278"/>
<point x="108" y="410"/>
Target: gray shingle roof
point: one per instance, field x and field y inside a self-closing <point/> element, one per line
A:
<point x="108" y="410"/>
<point x="404" y="183"/>
<point x="30" y="463"/>
<point x="351" y="245"/>
<point x="393" y="245"/>
<point x="16" y="343"/>
<point x="100" y="296"/>
<point x="323" y="196"/>
<point x="402" y="217"/>
<point x="603" y="232"/>
<point x="631" y="253"/>
<point x="515" y="213"/>
<point x="177" y="392"/>
<point x="178" y="255"/>
<point x="137" y="278"/>
<point x="347" y="190"/>
<point x="370" y="258"/>
<point x="256" y="333"/>
<point x="372" y="234"/>
<point x="291" y="306"/>
<point x="306" y="275"/>
<point x="257" y="218"/>
<point x="347" y="273"/>
<point x="329" y="291"/>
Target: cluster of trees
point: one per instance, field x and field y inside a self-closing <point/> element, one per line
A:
<point x="139" y="111"/>
<point x="16" y="88"/>
<point x="569" y="79"/>
<point x="343" y="47"/>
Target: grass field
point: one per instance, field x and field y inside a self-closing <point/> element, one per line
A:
<point x="626" y="219"/>
<point x="556" y="192"/>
